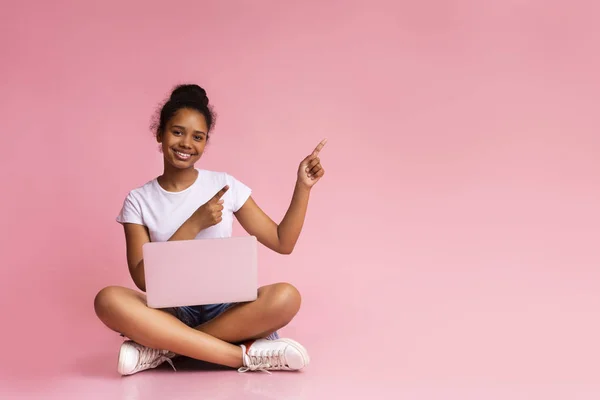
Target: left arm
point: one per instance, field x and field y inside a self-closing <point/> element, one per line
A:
<point x="282" y="238"/>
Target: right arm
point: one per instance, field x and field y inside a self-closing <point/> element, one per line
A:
<point x="136" y="235"/>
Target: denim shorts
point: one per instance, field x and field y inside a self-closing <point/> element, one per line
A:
<point x="194" y="316"/>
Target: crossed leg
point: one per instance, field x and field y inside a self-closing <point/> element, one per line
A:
<point x="124" y="310"/>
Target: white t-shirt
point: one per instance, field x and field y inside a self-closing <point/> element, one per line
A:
<point x="163" y="212"/>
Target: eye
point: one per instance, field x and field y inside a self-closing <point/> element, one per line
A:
<point x="176" y="133"/>
<point x="199" y="138"/>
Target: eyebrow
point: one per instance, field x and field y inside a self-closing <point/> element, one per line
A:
<point x="183" y="128"/>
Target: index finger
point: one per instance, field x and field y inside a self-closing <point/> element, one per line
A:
<point x="319" y="147"/>
<point x="221" y="192"/>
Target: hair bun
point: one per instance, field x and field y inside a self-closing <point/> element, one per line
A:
<point x="189" y="92"/>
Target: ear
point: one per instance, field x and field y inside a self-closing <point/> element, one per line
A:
<point x="159" y="137"/>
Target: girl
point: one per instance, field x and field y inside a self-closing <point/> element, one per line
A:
<point x="188" y="203"/>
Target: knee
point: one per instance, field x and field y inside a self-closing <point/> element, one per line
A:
<point x="105" y="300"/>
<point x="283" y="302"/>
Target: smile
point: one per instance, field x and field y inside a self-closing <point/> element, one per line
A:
<point x="182" y="156"/>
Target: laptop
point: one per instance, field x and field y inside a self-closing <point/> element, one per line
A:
<point x="200" y="271"/>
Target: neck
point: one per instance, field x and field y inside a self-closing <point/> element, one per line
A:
<point x="176" y="179"/>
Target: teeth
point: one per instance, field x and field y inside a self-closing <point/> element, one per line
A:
<point x="183" y="155"/>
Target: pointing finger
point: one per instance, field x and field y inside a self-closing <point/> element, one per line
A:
<point x="221" y="192"/>
<point x="319" y="147"/>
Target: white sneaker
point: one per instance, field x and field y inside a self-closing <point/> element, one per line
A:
<point x="134" y="357"/>
<point x="278" y="354"/>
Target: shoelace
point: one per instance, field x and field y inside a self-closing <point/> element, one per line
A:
<point x="150" y="358"/>
<point x="263" y="361"/>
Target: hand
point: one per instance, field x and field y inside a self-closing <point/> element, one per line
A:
<point x="211" y="212"/>
<point x="310" y="170"/>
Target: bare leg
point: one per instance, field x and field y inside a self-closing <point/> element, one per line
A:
<point x="125" y="311"/>
<point x="274" y="308"/>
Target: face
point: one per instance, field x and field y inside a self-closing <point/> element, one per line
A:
<point x="184" y="138"/>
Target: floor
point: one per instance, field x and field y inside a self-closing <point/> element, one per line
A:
<point x="367" y="365"/>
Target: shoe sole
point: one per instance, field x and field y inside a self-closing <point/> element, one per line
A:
<point x="125" y="354"/>
<point x="300" y="348"/>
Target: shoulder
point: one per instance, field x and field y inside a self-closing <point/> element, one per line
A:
<point x="142" y="192"/>
<point x="134" y="204"/>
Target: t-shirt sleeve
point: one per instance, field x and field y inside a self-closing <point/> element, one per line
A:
<point x="240" y="192"/>
<point x="131" y="211"/>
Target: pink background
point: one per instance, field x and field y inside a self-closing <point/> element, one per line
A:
<point x="450" y="251"/>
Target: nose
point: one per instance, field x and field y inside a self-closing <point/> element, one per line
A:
<point x="186" y="141"/>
